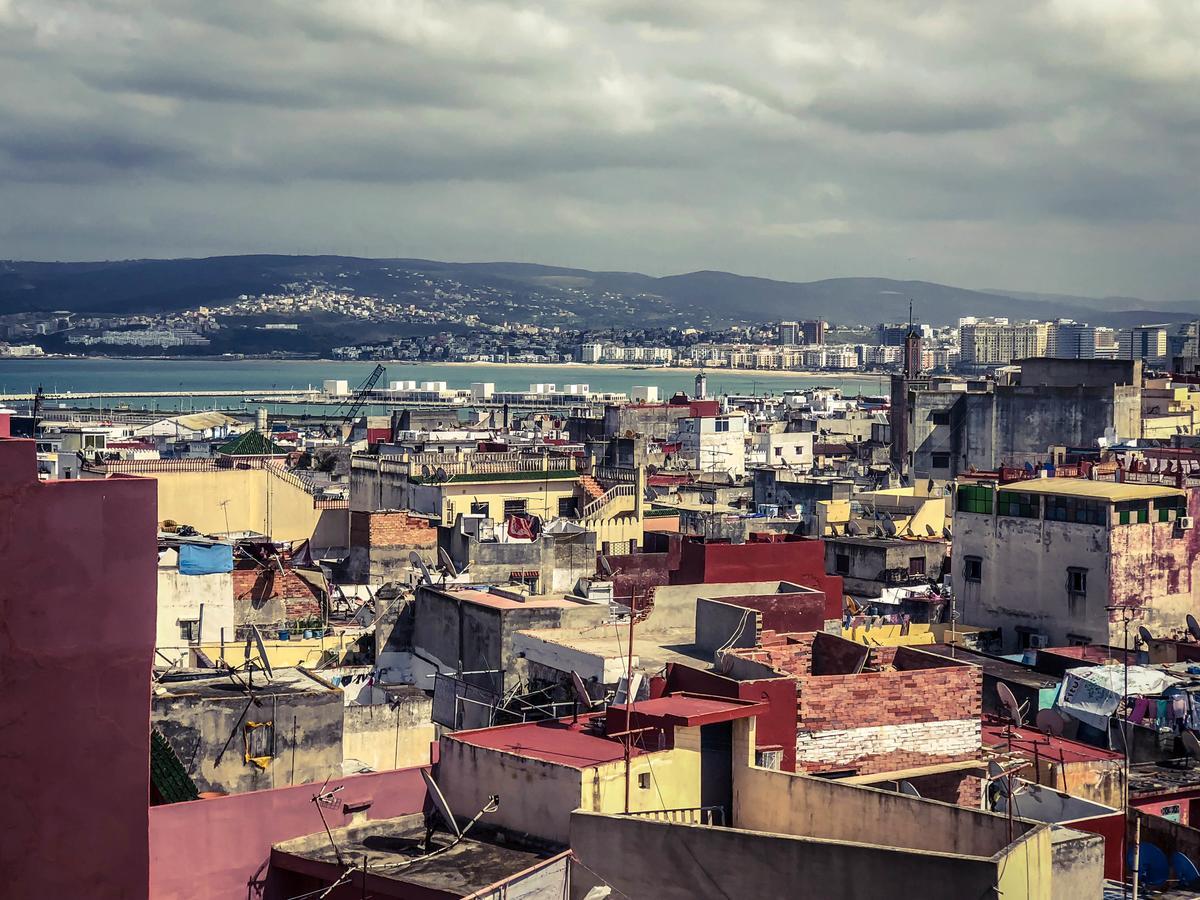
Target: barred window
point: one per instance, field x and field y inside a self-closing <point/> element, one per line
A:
<point x="975" y="498"/>
<point x="1022" y="506"/>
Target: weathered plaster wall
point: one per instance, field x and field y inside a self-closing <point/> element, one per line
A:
<point x="536" y="797"/>
<point x="389" y="736"/>
<point x="207" y="598"/>
<point x="674" y="779"/>
<point x="646" y="858"/>
<point x="1038" y="553"/>
<point x="78" y="601"/>
<point x="308" y="738"/>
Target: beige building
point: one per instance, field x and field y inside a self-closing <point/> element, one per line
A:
<point x="995" y="344"/>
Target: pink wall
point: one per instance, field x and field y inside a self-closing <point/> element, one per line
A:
<point x="210" y="849"/>
<point x="5" y="425"/>
<point x="77" y="610"/>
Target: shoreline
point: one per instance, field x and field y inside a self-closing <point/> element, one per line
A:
<point x="651" y="371"/>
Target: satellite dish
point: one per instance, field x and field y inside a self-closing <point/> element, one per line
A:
<point x="582" y="697"/>
<point x="1010" y="704"/>
<point x="1050" y="722"/>
<point x="1193" y="626"/>
<point x="1145" y="635"/>
<point x="262" y="650"/>
<point x="995" y="770"/>
<point x="440" y="804"/>
<point x="929" y="530"/>
<point x="833" y="529"/>
<point x="1191" y="745"/>
<point x="424" y="471"/>
<point x="605" y="566"/>
<point x="906" y="787"/>
<point x="415" y="558"/>
<point x="889" y="526"/>
<point x="946" y="533"/>
<point x="440" y="474"/>
<point x="447" y="562"/>
<point x="852" y="528"/>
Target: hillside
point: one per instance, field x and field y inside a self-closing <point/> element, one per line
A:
<point x="578" y="297"/>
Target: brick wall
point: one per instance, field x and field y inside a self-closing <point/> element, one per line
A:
<point x="258" y="587"/>
<point x="390" y="529"/>
<point x="870" y="699"/>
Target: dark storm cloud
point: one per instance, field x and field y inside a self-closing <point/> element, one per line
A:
<point x="1047" y="145"/>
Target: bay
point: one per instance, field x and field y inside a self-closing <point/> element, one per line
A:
<point x="113" y="377"/>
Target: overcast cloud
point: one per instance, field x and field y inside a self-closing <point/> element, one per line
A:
<point x="1039" y="146"/>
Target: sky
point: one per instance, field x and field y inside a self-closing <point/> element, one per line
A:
<point x="1046" y="146"/>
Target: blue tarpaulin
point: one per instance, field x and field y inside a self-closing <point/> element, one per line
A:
<point x="197" y="559"/>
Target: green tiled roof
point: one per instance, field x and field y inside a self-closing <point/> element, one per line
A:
<point x="252" y="443"/>
<point x="167" y="774"/>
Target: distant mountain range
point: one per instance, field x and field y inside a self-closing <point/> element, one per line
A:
<point x="586" y="298"/>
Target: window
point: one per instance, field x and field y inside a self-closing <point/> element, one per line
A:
<point x="1077" y="582"/>
<point x="975" y="498"/>
<point x="1077" y="510"/>
<point x="973" y="568"/>
<point x="644" y="781"/>
<point x="1078" y="640"/>
<point x="779" y="451"/>
<point x="940" y="417"/>
<point x="568" y="506"/>
<point x="514" y="508"/>
<point x="189" y="630"/>
<point x="721" y="425"/>
<point x="259" y="742"/>
<point x="841" y="563"/>
<point x="1021" y="506"/>
<point x="916" y="565"/>
<point x="481" y="508"/>
<point x="1133" y="512"/>
<point x="1170" y="508"/>
<point x="940" y="460"/>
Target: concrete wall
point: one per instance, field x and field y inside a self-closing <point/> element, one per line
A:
<point x="308" y="737"/>
<point x="207" y="598"/>
<point x="386" y="736"/>
<point x="470" y="637"/>
<point x="721" y="626"/>
<point x="381" y="541"/>
<point x="674" y="779"/>
<point x="536" y="797"/>
<point x="1041" y="551"/>
<point x="78" y="601"/>
<point x="257" y="501"/>
<point x="642" y="857"/>
<point x="547" y="881"/>
<point x="219" y="848"/>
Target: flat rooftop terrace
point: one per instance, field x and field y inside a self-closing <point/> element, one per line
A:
<point x="394" y="848"/>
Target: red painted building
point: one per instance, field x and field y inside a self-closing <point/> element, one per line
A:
<point x="76" y="648"/>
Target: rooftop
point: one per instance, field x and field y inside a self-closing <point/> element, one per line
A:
<point x="480" y="596"/>
<point x="220" y="685"/>
<point x="395" y="849"/>
<point x="1149" y="779"/>
<point x="1100" y="490"/>
<point x="1034" y="743"/>
<point x="997" y="667"/>
<point x="564" y="742"/>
